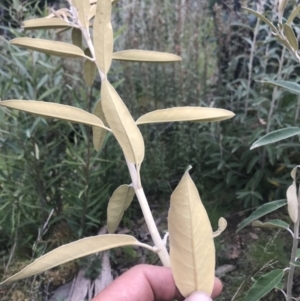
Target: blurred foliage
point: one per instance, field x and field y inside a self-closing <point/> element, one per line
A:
<point x="226" y="52"/>
<point x="50" y="175"/>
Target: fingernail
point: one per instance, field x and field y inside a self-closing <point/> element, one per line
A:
<point x="198" y="296"/>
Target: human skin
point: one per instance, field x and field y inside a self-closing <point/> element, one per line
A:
<point x="148" y="283"/>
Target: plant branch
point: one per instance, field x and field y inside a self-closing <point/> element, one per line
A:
<point x="293" y="258"/>
<point x="140" y="194"/>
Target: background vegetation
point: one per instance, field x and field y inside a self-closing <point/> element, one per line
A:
<point x="51" y="181"/>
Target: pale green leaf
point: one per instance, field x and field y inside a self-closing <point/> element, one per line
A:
<point x="118" y="203"/>
<point x="49" y="47"/>
<point x="92" y="12"/>
<point x="89" y="72"/>
<point x="283" y="41"/>
<point x="89" y="69"/>
<point x="192" y="250"/>
<point x="295" y="263"/>
<point x="122" y="124"/>
<point x="54" y="110"/>
<point x="103" y="35"/>
<point x="261" y="211"/>
<point x="294" y="172"/>
<point x="264" y="285"/>
<point x="45" y="23"/>
<point x="290" y="35"/>
<point x="83" y="7"/>
<point x="136" y="55"/>
<point x="185" y="114"/>
<point x="74" y="250"/>
<point x="274" y="223"/>
<point x="222" y="223"/>
<point x="77" y="37"/>
<point x="289" y="86"/>
<point x="262" y="18"/>
<point x="276" y="136"/>
<point x="293" y="15"/>
<point x="292" y="202"/>
<point x="281" y="7"/>
<point x="99" y="133"/>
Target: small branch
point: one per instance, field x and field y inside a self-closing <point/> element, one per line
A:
<point x="293" y="258"/>
<point x="158" y="241"/>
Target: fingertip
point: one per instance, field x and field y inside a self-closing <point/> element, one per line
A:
<point x="198" y="296"/>
<point x="218" y="287"/>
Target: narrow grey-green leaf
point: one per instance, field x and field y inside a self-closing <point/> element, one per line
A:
<point x="49" y="47"/>
<point x="276" y="136"/>
<point x="99" y="133"/>
<point x="281" y="7"/>
<point x="54" y="110"/>
<point x="77" y="37"/>
<point x="261" y="211"/>
<point x="283" y="41"/>
<point x="103" y="35"/>
<point x="293" y="15"/>
<point x="290" y="35"/>
<point x="295" y="263"/>
<point x="83" y="7"/>
<point x="261" y="17"/>
<point x="290" y="86"/>
<point x="274" y="223"/>
<point x="185" y="114"/>
<point x="118" y="203"/>
<point x="122" y="124"/>
<point x="74" y="250"/>
<point x="45" y="23"/>
<point x="137" y="55"/>
<point x="264" y="285"/>
<point x="89" y="72"/>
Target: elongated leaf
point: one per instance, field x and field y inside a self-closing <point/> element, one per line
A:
<point x="261" y="211"/>
<point x="294" y="172"/>
<point x="262" y="18"/>
<point x="83" y="7"/>
<point x="281" y="7"/>
<point x="45" y="23"/>
<point x="293" y="15"/>
<point x="99" y="133"/>
<point x="192" y="250"/>
<point x="92" y="12"/>
<point x="276" y="136"/>
<point x="185" y="114"/>
<point x="274" y="223"/>
<point x="283" y="41"/>
<point x="292" y="202"/>
<point x="54" y="110"/>
<point x="118" y="203"/>
<point x="122" y="124"/>
<point x="77" y="37"/>
<point x="136" y="55"/>
<point x="222" y="223"/>
<point x="103" y="35"/>
<point x="264" y="285"/>
<point x="290" y="86"/>
<point x="290" y="35"/>
<point x="89" y="72"/>
<point x="295" y="263"/>
<point x="49" y="47"/>
<point x="74" y="250"/>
